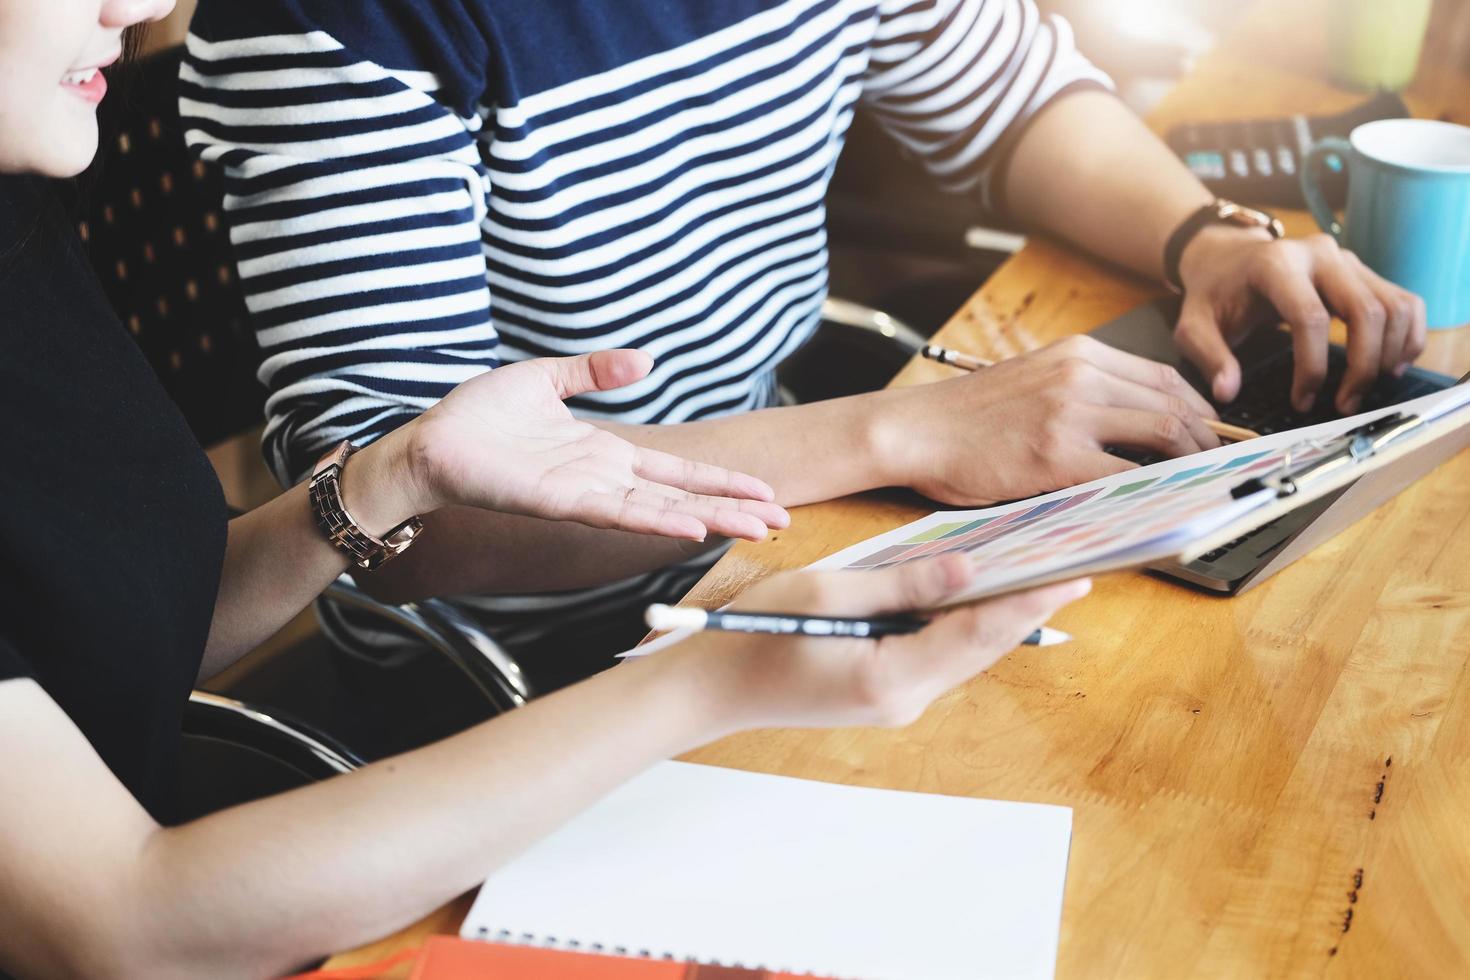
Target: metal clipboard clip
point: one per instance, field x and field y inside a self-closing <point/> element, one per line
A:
<point x="1343" y="452"/>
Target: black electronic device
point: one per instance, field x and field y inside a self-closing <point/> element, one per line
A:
<point x="1257" y="161"/>
<point x="1264" y="405"/>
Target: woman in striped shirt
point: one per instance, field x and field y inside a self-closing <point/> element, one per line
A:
<point x="422" y="190"/>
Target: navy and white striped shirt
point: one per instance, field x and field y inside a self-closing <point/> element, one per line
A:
<point x="420" y="189"/>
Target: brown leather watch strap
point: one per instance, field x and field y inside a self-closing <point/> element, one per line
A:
<point x="1218" y="212"/>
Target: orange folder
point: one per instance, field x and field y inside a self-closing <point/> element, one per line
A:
<point x="452" y="958"/>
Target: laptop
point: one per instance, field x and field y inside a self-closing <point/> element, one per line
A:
<point x="1264" y="405"/>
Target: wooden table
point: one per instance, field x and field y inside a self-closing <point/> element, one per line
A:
<point x="1275" y="784"/>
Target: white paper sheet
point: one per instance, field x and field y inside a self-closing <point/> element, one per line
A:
<point x="731" y="867"/>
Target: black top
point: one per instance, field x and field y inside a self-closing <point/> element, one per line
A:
<point x="112" y="523"/>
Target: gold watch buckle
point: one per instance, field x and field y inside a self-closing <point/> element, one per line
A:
<point x="1239" y="214"/>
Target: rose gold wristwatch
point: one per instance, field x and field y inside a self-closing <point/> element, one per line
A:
<point x="366" y="550"/>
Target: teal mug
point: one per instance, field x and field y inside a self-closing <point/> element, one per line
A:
<point x="1408" y="209"/>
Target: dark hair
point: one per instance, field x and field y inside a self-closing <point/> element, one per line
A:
<point x="118" y="78"/>
<point x="132" y="42"/>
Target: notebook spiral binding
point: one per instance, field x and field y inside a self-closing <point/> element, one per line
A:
<point x="576" y="946"/>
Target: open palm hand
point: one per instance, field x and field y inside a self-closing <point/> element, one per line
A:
<point x="505" y="441"/>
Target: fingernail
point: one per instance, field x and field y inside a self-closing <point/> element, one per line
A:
<point x="1351" y="406"/>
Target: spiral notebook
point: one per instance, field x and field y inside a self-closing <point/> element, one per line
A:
<point x="733" y="868"/>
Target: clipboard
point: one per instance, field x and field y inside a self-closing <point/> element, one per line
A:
<point x="1388" y="442"/>
<point x="1179" y="509"/>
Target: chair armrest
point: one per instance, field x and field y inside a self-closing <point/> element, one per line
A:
<point x="448" y="631"/>
<point x="846" y="313"/>
<point x="271" y="732"/>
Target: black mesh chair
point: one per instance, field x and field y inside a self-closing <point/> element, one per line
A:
<point x="150" y="216"/>
<point x="151" y="220"/>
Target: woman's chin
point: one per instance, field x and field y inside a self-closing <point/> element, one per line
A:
<point x="59" y="140"/>
<point x="68" y="154"/>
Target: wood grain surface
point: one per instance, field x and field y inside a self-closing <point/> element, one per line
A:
<point x="1271" y="785"/>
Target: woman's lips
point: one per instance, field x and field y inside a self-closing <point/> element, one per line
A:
<point x="88" y="84"/>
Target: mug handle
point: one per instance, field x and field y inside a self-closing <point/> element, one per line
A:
<point x="1336" y="152"/>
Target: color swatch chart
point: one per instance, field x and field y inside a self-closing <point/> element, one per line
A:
<point x="1152" y="507"/>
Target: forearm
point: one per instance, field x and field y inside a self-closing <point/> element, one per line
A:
<point x="277" y="560"/>
<point x="806" y="453"/>
<point x="1089" y="171"/>
<point x="262" y="888"/>
<point x="468" y="550"/>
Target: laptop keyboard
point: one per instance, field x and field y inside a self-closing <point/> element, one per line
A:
<point x="1264" y="404"/>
